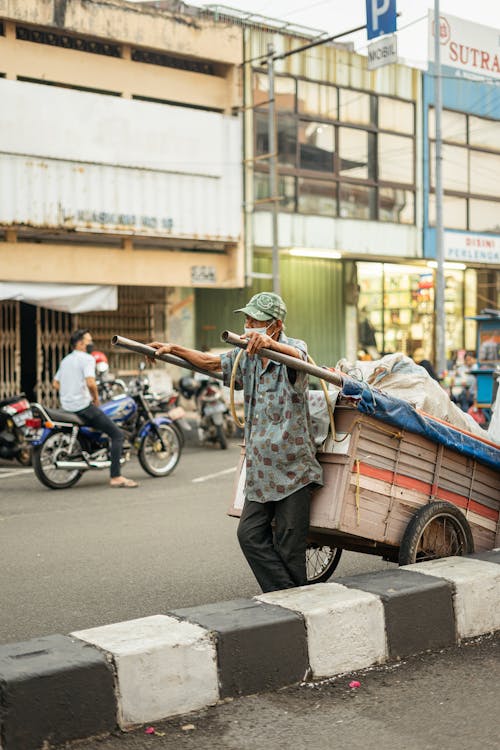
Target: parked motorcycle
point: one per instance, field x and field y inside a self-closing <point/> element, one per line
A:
<point x="215" y="419"/>
<point x="64" y="448"/>
<point x="14" y="412"/>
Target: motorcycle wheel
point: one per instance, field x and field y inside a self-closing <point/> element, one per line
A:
<point x="24" y="456"/>
<point x="180" y="434"/>
<point x="220" y="437"/>
<point x="154" y="460"/>
<point x="43" y="462"/>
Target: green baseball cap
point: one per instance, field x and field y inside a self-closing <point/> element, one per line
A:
<point x="264" y="306"/>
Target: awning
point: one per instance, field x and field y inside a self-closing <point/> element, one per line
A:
<point x="71" y="298"/>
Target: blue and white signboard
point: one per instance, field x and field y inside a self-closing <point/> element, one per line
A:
<point x="380" y="17"/>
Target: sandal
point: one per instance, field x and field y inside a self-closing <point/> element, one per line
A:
<point x="127" y="483"/>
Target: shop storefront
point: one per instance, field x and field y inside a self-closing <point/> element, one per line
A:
<point x="396" y="307"/>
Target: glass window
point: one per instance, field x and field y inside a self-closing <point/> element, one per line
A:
<point x="287" y="140"/>
<point x="397" y="205"/>
<point x="287" y="137"/>
<point x="454" y="212"/>
<point x="357" y="202"/>
<point x="484" y="173"/>
<point x="484" y="216"/>
<point x="355" y="107"/>
<point x="357" y="153"/>
<point x="453" y="126"/>
<point x="261" y="136"/>
<point x="393" y="114"/>
<point x="395" y="158"/>
<point x="455" y="167"/>
<point x="284" y="92"/>
<point x="316" y="99"/>
<point x="317" y="197"/>
<point x="484" y="133"/>
<point x="316" y="146"/>
<point x="286" y="189"/>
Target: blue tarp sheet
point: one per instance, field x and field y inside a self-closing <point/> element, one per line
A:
<point x="401" y="414"/>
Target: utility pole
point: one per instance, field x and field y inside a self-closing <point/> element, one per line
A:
<point x="273" y="169"/>
<point x="439" y="307"/>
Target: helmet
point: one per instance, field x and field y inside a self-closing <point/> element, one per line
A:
<point x="101" y="361"/>
<point x="188" y="386"/>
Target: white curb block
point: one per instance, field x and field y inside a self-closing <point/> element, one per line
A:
<point x="345" y="627"/>
<point x="164" y="667"/>
<point x="477" y="591"/>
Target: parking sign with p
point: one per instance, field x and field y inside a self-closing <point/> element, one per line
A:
<point x="380" y="17"/>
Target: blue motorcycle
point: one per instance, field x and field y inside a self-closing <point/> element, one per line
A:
<point x="64" y="448"/>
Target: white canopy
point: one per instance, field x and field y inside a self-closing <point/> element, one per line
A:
<point x="71" y="298"/>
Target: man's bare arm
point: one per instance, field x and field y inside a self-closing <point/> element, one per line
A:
<point x="204" y="360"/>
<point x="92" y="386"/>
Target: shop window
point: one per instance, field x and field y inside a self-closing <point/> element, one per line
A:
<point x="317" y="99"/>
<point x="286" y="189"/>
<point x="396" y="205"/>
<point x="454" y="212"/>
<point x="455" y="167"/>
<point x="395" y="158"/>
<point x="394" y="114"/>
<point x="317" y="197"/>
<point x="484" y="133"/>
<point x="453" y="126"/>
<point x="316" y="146"/>
<point x="284" y="92"/>
<point x="355" y="107"/>
<point x="484" y="216"/>
<point x="484" y="173"/>
<point x="357" y="153"/>
<point x="357" y="202"/>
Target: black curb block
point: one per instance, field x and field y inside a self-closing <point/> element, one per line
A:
<point x="260" y="646"/>
<point x="54" y="689"/>
<point x="419" y="613"/>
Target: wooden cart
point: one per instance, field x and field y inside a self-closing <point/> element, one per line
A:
<point x="387" y="491"/>
<point x="396" y="494"/>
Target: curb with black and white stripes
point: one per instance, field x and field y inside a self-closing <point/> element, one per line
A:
<point x="59" y="688"/>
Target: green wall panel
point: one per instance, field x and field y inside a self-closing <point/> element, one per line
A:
<point x="313" y="290"/>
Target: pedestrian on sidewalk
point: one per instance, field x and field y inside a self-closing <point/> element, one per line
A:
<point x="77" y="388"/>
<point x="281" y="466"/>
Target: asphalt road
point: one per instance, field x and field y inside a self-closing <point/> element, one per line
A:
<point x="91" y="555"/>
<point x="442" y="701"/>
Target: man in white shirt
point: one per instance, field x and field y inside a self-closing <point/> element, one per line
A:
<point x="75" y="382"/>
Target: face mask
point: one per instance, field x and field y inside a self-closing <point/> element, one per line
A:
<point x="90" y="348"/>
<point x="262" y="330"/>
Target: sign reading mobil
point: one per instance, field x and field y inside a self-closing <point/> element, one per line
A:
<point x="380" y="17"/>
<point x="467" y="47"/>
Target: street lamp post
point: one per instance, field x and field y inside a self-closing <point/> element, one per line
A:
<point x="440" y="313"/>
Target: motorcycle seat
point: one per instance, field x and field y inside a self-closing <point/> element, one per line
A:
<point x="58" y="415"/>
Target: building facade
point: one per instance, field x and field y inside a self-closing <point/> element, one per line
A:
<point x="120" y="176"/>
<point x="471" y="158"/>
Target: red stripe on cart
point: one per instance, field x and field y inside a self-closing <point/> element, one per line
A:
<point x="400" y="480"/>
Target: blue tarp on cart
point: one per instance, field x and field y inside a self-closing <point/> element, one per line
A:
<point x="401" y="414"/>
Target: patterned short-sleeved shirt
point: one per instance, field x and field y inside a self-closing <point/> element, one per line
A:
<point x="280" y="451"/>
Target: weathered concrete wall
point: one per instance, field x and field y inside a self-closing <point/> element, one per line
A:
<point x="130" y="24"/>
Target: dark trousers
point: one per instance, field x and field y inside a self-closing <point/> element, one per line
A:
<point x="278" y="560"/>
<point x="94" y="417"/>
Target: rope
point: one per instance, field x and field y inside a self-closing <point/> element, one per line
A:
<point x="241" y="423"/>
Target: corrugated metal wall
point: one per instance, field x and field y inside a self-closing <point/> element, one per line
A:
<point x="313" y="290"/>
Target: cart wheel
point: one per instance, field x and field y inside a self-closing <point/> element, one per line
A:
<point x="436" y="530"/>
<point x="321" y="561"/>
